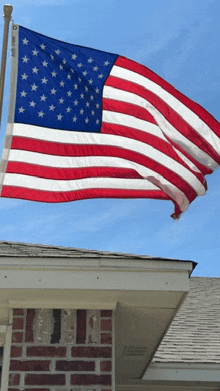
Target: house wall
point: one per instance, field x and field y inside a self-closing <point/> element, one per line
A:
<point x="57" y="349"/>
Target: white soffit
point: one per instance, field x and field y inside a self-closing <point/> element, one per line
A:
<point x="85" y="273"/>
<point x="94" y="283"/>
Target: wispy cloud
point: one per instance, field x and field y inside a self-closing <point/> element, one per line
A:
<point x="184" y="233"/>
<point x="26" y="227"/>
<point x="96" y="222"/>
<point x="177" y="233"/>
<point x="9" y="204"/>
<point x="168" y="23"/>
<point x="175" y="38"/>
<point x="59" y="223"/>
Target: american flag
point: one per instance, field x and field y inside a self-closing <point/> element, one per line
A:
<point x="84" y="123"/>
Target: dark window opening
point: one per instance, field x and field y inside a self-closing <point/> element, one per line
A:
<point x="1" y="360"/>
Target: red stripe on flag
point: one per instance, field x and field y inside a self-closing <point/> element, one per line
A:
<point x="204" y="170"/>
<point x="70" y="173"/>
<point x="59" y="149"/>
<point x="169" y="114"/>
<point x="47" y="196"/>
<point x="126" y="108"/>
<point x="149" y="139"/>
<point x="146" y="72"/>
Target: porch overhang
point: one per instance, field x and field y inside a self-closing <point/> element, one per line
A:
<point x="145" y="294"/>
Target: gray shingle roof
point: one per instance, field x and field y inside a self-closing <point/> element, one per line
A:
<point x="194" y="334"/>
<point x="16" y="249"/>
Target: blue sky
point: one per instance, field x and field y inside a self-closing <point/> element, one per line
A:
<point x="177" y="39"/>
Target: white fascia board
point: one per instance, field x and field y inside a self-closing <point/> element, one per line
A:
<point x="183" y="372"/>
<point x="99" y="274"/>
<point x="117" y="280"/>
<point x="96" y="263"/>
<point x="93" y="282"/>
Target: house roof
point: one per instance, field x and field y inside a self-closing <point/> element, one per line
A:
<point x="16" y="249"/>
<point x="194" y="334"/>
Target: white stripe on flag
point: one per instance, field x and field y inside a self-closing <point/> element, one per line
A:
<point x="111" y="140"/>
<point x="113" y="117"/>
<point x="164" y="125"/>
<point x="189" y="116"/>
<point x="30" y="182"/>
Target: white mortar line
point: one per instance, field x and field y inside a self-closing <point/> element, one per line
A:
<point x="67" y="379"/>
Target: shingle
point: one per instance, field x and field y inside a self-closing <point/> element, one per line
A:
<point x="16" y="249"/>
<point x="194" y="334"/>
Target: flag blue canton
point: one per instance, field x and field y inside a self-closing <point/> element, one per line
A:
<point x="60" y="85"/>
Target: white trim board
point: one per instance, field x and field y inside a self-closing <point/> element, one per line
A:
<point x="6" y="354"/>
<point x="19" y="278"/>
<point x="183" y="372"/>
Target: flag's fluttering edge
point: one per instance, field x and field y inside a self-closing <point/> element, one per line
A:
<point x="84" y="123"/>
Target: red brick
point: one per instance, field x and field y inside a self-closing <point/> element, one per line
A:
<point x="29" y="337"/>
<point x="106" y="313"/>
<point x="89" y="352"/>
<point x="106" y="324"/>
<point x="17" y="337"/>
<point x="30" y="365"/>
<point x="106" y="338"/>
<point x="46" y="351"/>
<point x="86" y="380"/>
<point x="18" y="324"/>
<point x="15" y="389"/>
<point x="75" y="366"/>
<point x="18" y="311"/>
<point x="14" y="379"/>
<point x="106" y="366"/>
<point x="29" y="334"/>
<point x="40" y="380"/>
<point x="16" y="351"/>
<point x="81" y="327"/>
<point x="31" y="312"/>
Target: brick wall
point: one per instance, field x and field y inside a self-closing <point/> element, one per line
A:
<point x="55" y="350"/>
